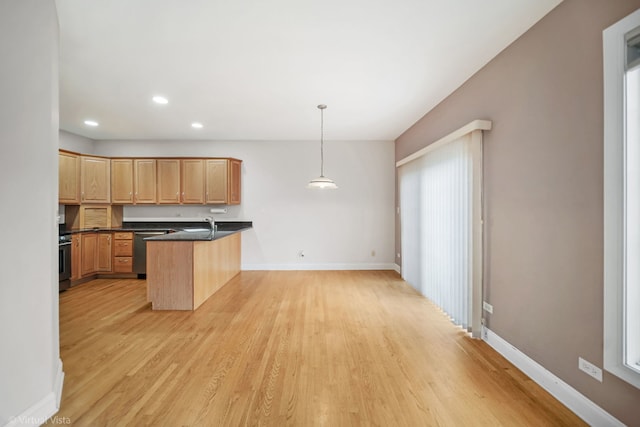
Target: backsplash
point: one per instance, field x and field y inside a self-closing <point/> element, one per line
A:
<point x="181" y="212"/>
<point x="173" y="212"/>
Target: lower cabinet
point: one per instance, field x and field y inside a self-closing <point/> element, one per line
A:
<point x="123" y="252"/>
<point x="104" y="253"/>
<point x="95" y="253"/>
<point x="101" y="252"/>
<point x="89" y="254"/>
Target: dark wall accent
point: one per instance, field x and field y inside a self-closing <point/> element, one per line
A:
<point x="543" y="187"/>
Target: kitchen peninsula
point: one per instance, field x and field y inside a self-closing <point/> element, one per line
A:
<point x="187" y="267"/>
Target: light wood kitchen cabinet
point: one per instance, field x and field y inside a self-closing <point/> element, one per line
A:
<point x="122" y="181"/>
<point x="144" y="173"/>
<point x="192" y="181"/>
<point x="68" y="178"/>
<point x="222" y="181"/>
<point x="93" y="216"/>
<point x="168" y="181"/>
<point x="76" y="257"/>
<point x="104" y="253"/>
<point x="235" y="174"/>
<point x="95" y="183"/>
<point x="122" y="252"/>
<point x="89" y="251"/>
<point x="216" y="181"/>
<point x="94" y="180"/>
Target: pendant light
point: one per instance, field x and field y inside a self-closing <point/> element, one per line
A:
<point x="322" y="181"/>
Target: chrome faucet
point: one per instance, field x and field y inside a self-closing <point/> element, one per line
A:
<point x="212" y="222"/>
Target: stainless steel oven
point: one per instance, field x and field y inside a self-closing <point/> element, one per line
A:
<point x="64" y="261"/>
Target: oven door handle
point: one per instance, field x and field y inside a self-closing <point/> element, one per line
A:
<point x="64" y="244"/>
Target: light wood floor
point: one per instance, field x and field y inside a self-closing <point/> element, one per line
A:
<point x="286" y="348"/>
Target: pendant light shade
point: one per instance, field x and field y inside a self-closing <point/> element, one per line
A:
<point x="322" y="181"/>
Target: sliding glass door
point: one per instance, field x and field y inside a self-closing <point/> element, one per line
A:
<point x="440" y="227"/>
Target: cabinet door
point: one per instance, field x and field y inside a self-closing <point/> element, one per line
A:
<point x="168" y="181"/>
<point x="235" y="187"/>
<point x="104" y="253"/>
<point x="216" y="181"/>
<point x="192" y="181"/>
<point x="122" y="181"/>
<point x="68" y="178"/>
<point x="145" y="181"/>
<point x="96" y="180"/>
<point x="76" y="257"/>
<point x="89" y="248"/>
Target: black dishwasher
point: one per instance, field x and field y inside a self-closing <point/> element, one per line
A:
<point x="140" y="251"/>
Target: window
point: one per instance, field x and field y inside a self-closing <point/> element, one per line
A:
<point x="622" y="199"/>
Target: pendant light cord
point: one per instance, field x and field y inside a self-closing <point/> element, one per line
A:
<point x="321" y="141"/>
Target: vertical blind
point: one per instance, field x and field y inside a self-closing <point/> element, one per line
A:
<point x="436" y="205"/>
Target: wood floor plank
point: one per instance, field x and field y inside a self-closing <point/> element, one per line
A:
<point x="316" y="348"/>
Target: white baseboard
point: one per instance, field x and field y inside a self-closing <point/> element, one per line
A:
<point x="397" y="268"/>
<point x="57" y="386"/>
<point x="311" y="267"/>
<point x="38" y="413"/>
<point x="570" y="397"/>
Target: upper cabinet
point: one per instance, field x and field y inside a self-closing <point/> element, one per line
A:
<point x="216" y="183"/>
<point x="168" y="181"/>
<point x="68" y="178"/>
<point x="235" y="174"/>
<point x="133" y="181"/>
<point x="192" y="181"/>
<point x="144" y="182"/>
<point x="223" y="181"/>
<point x="95" y="183"/>
<point x="129" y="181"/>
<point x="122" y="181"/>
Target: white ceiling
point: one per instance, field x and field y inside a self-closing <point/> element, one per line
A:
<point x="256" y="69"/>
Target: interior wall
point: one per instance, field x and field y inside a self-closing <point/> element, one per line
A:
<point x="29" y="359"/>
<point x="543" y="191"/>
<point x="348" y="228"/>
<point x="72" y="142"/>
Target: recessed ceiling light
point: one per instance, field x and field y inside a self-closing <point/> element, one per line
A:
<point x="91" y="123"/>
<point x="160" y="100"/>
<point x="196" y="125"/>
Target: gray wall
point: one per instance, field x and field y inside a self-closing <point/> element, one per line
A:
<point x="29" y="340"/>
<point x="351" y="228"/>
<point x="79" y="144"/>
<point x="543" y="187"/>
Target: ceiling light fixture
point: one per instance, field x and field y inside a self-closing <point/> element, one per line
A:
<point x="196" y="125"/>
<point x="322" y="181"/>
<point x="91" y="123"/>
<point x="160" y="100"/>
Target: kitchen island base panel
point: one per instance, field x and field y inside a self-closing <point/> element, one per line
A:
<point x="181" y="275"/>
<point x="215" y="263"/>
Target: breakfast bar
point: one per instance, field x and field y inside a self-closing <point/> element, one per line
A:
<point x="185" y="268"/>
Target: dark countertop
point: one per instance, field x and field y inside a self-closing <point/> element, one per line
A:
<point x="224" y="229"/>
<point x="200" y="234"/>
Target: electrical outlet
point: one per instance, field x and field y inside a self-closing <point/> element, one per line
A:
<point x="590" y="369"/>
<point x="487" y="307"/>
<point x="300" y="254"/>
